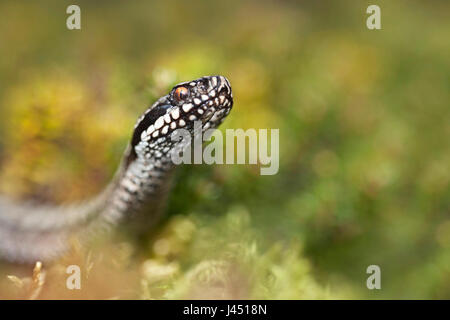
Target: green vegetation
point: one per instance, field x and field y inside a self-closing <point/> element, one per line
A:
<point x="364" y="130"/>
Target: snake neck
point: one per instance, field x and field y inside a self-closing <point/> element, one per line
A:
<point x="138" y="182"/>
<point x="29" y="233"/>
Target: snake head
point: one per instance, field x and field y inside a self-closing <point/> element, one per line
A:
<point x="207" y="99"/>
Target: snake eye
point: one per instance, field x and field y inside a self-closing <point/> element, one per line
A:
<point x="181" y="93"/>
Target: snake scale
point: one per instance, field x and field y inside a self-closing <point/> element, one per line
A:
<point x="30" y="233"/>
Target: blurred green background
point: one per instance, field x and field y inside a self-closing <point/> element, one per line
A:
<point x="364" y="130"/>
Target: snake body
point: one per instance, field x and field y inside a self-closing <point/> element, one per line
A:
<point x="29" y="233"/>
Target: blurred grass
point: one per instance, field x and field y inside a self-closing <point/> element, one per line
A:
<point x="364" y="130"/>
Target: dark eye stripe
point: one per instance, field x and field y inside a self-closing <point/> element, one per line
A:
<point x="148" y="120"/>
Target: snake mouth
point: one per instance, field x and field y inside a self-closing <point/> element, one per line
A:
<point x="207" y="116"/>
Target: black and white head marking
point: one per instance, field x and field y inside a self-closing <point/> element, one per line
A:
<point x="208" y="99"/>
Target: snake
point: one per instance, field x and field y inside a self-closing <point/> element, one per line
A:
<point x="30" y="232"/>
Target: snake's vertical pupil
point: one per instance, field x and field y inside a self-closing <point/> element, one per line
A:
<point x="181" y="93"/>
